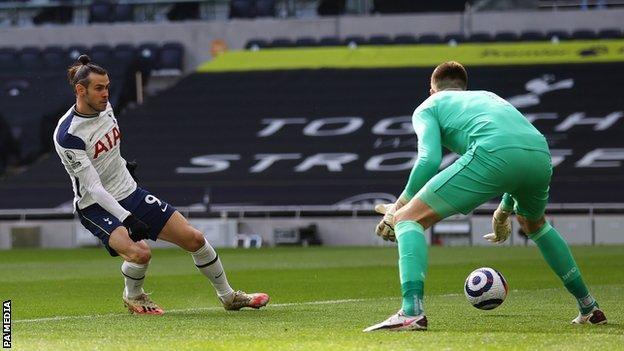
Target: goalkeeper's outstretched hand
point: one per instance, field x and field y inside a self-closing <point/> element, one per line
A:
<point x="501" y="227"/>
<point x="385" y="228"/>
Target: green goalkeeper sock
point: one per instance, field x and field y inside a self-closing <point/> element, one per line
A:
<point x="558" y="256"/>
<point x="412" y="265"/>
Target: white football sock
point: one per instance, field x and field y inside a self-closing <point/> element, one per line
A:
<point x="208" y="262"/>
<point x="134" y="275"/>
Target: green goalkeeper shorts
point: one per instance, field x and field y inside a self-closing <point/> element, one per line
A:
<point x="480" y="175"/>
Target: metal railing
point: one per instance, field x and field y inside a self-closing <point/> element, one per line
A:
<point x="244" y="211"/>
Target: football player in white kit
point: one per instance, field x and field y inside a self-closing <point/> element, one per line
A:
<point x="111" y="205"/>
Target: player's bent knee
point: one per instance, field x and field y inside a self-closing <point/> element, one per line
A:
<point x="140" y="256"/>
<point x="530" y="226"/>
<point x="417" y="211"/>
<point x="198" y="240"/>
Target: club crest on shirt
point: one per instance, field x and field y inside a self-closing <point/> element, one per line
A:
<point x="71" y="156"/>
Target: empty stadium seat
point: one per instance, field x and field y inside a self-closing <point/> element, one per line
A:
<point x="256" y="44"/>
<point x="123" y="13"/>
<point x="54" y="57"/>
<point x="329" y="41"/>
<point x="252" y="8"/>
<point x="242" y="9"/>
<point x="147" y="54"/>
<point x="610" y="33"/>
<point x="30" y="58"/>
<point x="558" y="34"/>
<point x="480" y="37"/>
<point x="281" y="43"/>
<point x="506" y="36"/>
<point x="101" y="11"/>
<point x="125" y="53"/>
<point x="532" y="36"/>
<point x="404" y="39"/>
<point x="584" y="34"/>
<point x="430" y="38"/>
<point x="170" y="57"/>
<point x="101" y="54"/>
<point x="454" y="37"/>
<point x="306" y="42"/>
<point x="355" y="40"/>
<point x="74" y="51"/>
<point x="265" y="8"/>
<point x="331" y="7"/>
<point x="379" y="39"/>
<point x="8" y="59"/>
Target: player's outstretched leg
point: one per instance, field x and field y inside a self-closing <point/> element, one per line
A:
<point x="412" y="267"/>
<point x="136" y="257"/>
<point x="180" y="232"/>
<point x="208" y="262"/>
<point x="557" y="254"/>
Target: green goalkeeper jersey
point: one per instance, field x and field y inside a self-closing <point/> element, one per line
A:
<point x="464" y="120"/>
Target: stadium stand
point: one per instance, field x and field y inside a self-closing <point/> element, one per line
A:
<point x="36" y="78"/>
<point x="433" y="38"/>
<point x="213" y="118"/>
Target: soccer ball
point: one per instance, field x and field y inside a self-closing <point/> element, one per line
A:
<point x="485" y="288"/>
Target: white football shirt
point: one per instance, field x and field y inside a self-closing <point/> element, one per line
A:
<point x="85" y="143"/>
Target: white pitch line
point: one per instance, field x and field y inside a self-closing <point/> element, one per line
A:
<point x="183" y="310"/>
<point x="186" y="310"/>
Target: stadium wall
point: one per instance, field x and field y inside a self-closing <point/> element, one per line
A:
<point x="333" y="231"/>
<point x="197" y="36"/>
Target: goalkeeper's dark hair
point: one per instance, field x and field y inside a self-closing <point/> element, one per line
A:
<point x="449" y="75"/>
<point x="79" y="72"/>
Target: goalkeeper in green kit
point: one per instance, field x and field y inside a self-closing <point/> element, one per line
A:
<point x="501" y="154"/>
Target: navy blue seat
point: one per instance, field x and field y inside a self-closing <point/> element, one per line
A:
<point x="430" y="38"/>
<point x="256" y="44"/>
<point x="404" y="39"/>
<point x="74" y="51"/>
<point x="125" y="53"/>
<point x="171" y="56"/>
<point x="101" y="54"/>
<point x="584" y="34"/>
<point x="101" y="11"/>
<point x="8" y="59"/>
<point x="242" y="9"/>
<point x="454" y="37"/>
<point x="306" y="42"/>
<point x="329" y="41"/>
<point x="355" y="39"/>
<point x="265" y="8"/>
<point x="147" y="54"/>
<point x="281" y="43"/>
<point x="30" y="58"/>
<point x="54" y="57"/>
<point x="531" y="35"/>
<point x="506" y="36"/>
<point x="610" y="33"/>
<point x="559" y="34"/>
<point x="379" y="39"/>
<point x="480" y="37"/>
<point x="123" y="13"/>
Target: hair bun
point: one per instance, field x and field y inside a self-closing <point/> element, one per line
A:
<point x="84" y="59"/>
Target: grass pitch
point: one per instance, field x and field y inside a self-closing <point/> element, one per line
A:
<point x="321" y="300"/>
